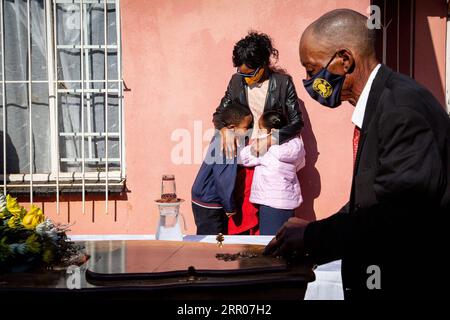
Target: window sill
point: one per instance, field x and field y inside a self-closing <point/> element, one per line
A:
<point x="68" y="183"/>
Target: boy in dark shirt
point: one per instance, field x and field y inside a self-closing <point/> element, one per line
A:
<point x="212" y="191"/>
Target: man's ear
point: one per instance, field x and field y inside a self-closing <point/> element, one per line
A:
<point x="347" y="59"/>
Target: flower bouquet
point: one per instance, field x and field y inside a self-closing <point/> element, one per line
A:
<point x="30" y="240"/>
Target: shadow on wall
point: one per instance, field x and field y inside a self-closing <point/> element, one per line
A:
<point x="309" y="176"/>
<point x="12" y="158"/>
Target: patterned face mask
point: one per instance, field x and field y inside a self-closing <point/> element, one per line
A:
<point x="253" y="77"/>
<point x="325" y="87"/>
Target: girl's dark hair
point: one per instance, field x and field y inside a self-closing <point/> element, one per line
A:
<point x="273" y="120"/>
<point x="234" y="113"/>
<point x="254" y="51"/>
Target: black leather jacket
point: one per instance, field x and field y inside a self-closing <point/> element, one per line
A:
<point x="281" y="97"/>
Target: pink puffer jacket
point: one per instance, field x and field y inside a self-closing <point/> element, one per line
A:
<point x="275" y="183"/>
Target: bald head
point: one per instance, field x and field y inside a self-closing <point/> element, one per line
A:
<point x="341" y="28"/>
<point x="341" y="42"/>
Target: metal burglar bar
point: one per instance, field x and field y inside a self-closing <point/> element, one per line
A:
<point x="105" y="34"/>
<point x="3" y="96"/>
<point x="59" y="86"/>
<point x="29" y="101"/>
<point x="86" y="90"/>
<point x="83" y="177"/>
<point x="55" y="134"/>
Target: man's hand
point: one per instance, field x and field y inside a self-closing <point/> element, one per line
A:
<point x="229" y="214"/>
<point x="289" y="239"/>
<point x="228" y="142"/>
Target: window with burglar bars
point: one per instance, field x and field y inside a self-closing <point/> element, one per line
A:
<point x="61" y="96"/>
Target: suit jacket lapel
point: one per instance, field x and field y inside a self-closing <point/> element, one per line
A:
<point x="372" y="102"/>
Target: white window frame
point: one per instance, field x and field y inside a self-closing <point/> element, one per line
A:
<point x="66" y="181"/>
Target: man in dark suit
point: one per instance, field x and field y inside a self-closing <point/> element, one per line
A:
<point x="393" y="233"/>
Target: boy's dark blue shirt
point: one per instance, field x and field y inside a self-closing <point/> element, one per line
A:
<point x="214" y="185"/>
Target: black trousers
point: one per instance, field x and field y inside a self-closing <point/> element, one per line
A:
<point x="210" y="221"/>
<point x="272" y="219"/>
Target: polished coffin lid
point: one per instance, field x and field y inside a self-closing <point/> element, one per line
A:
<point x="159" y="259"/>
<point x="169" y="270"/>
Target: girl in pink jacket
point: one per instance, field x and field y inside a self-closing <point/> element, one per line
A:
<point x="275" y="185"/>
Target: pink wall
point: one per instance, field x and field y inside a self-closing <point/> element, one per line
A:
<point x="429" y="54"/>
<point x="177" y="63"/>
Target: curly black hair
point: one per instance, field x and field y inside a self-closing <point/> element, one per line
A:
<point x="255" y="50"/>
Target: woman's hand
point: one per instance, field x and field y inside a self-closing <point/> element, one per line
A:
<point x="228" y="142"/>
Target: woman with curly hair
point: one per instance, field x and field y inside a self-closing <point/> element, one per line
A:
<point x="258" y="85"/>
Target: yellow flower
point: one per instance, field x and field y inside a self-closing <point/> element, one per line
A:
<point x="4" y="214"/>
<point x="33" y="218"/>
<point x="15" y="212"/>
<point x="14" y="221"/>
<point x="12" y="206"/>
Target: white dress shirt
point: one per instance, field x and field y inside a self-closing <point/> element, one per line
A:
<point x="360" y="108"/>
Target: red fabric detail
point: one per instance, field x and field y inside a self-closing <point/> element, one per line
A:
<point x="246" y="218"/>
<point x="356" y="135"/>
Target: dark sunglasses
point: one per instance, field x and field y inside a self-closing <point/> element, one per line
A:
<point x="247" y="75"/>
